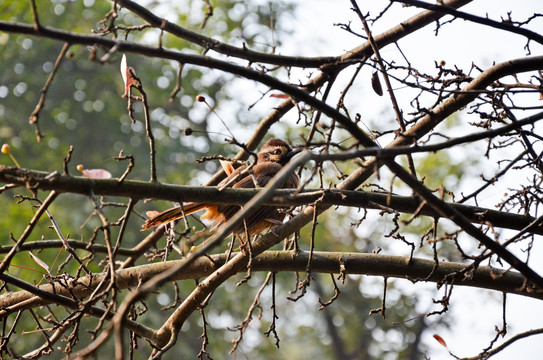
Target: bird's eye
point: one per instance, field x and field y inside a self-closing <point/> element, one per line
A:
<point x="277" y="152"/>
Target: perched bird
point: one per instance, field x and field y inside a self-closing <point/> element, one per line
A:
<point x="271" y="158"/>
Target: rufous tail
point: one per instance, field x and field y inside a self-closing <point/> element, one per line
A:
<point x="172" y="214"/>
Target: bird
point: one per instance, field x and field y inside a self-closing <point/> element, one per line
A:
<point x="271" y="158"/>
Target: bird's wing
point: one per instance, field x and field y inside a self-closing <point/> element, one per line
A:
<point x="189" y="208"/>
<point x="232" y="178"/>
<point x="264" y="172"/>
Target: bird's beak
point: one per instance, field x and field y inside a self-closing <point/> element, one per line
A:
<point x="292" y="153"/>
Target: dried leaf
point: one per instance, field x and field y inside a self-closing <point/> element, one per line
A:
<point x="40" y="262"/>
<point x="440" y="340"/>
<point x="96" y="173"/>
<point x="126" y="73"/>
<point x="280" y="96"/>
<point x="124" y="69"/>
<point x="227" y="166"/>
<point x="376" y="84"/>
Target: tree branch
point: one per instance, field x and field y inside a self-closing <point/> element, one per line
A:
<point x="280" y="197"/>
<point x="281" y="261"/>
<point x="530" y="35"/>
<point x="222" y="48"/>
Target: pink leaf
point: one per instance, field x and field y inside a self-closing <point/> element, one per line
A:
<point x="96" y="173"/>
<point x="151" y="213"/>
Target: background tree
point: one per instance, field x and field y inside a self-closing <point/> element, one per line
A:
<point x="415" y="179"/>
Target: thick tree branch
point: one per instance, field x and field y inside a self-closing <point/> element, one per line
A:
<point x="280" y="261"/>
<point x="327" y="197"/>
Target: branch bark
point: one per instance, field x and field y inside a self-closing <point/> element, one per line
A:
<point x="327" y="197"/>
<point x="280" y="261"/>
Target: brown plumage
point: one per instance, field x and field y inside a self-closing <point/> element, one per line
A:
<point x="271" y="158"/>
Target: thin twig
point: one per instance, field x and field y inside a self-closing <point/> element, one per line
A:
<point x="41" y="102"/>
<point x="28" y="230"/>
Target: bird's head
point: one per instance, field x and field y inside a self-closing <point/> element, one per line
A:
<point x="278" y="151"/>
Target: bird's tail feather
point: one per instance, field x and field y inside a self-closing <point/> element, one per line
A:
<point x="172" y="214"/>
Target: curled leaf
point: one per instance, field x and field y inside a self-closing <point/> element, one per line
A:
<point x="440" y="340"/>
<point x="124" y="69"/>
<point x="376" y="84"/>
<point x="227" y="166"/>
<point x="126" y="73"/>
<point x="40" y="262"/>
